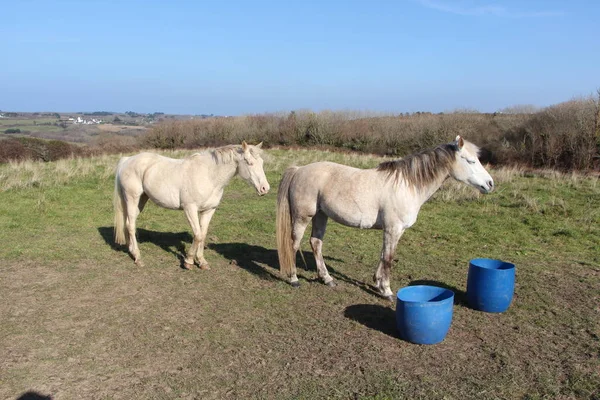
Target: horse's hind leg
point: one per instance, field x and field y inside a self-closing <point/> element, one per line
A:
<point x="299" y="225"/>
<point x="319" y="224"/>
<point x="142" y="202"/>
<point x="133" y="210"/>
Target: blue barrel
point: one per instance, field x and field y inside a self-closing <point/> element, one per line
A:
<point x="424" y="313"/>
<point x="490" y="284"/>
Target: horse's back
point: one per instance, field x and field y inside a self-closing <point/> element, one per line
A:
<point x="147" y="169"/>
<point x="349" y="195"/>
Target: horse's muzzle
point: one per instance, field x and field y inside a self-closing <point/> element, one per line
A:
<point x="263" y="189"/>
<point x="487" y="188"/>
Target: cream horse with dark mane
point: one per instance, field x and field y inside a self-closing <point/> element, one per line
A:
<point x="388" y="197"/>
<point x="194" y="184"/>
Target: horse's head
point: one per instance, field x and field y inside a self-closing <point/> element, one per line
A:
<point x="250" y="168"/>
<point x="468" y="169"/>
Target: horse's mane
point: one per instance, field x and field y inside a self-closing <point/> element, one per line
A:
<point x="228" y="154"/>
<point x="422" y="168"/>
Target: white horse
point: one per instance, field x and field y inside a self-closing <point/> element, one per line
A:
<point x="194" y="184"/>
<point x="388" y="197"/>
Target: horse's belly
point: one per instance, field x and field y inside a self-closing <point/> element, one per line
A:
<point x="170" y="200"/>
<point x="172" y="204"/>
<point x="353" y="218"/>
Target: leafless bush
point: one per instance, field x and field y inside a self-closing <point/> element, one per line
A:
<point x="20" y="149"/>
<point x="564" y="136"/>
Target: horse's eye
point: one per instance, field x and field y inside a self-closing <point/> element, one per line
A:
<point x="470" y="161"/>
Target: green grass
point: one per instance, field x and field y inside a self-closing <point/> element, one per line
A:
<point x="25" y="122"/>
<point x="80" y="320"/>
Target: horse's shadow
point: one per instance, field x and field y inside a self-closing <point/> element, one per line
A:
<point x="373" y="316"/>
<point x="257" y="260"/>
<point x="261" y="261"/>
<point x="171" y="242"/>
<point x="252" y="258"/>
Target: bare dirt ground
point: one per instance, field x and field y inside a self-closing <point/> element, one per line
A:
<point x="99" y="330"/>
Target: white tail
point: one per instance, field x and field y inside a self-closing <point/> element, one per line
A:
<point x="119" y="206"/>
<point x="285" y="251"/>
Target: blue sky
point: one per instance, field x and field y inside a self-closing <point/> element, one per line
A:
<point x="241" y="57"/>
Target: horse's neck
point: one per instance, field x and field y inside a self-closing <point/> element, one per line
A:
<point x="425" y="192"/>
<point x="220" y="173"/>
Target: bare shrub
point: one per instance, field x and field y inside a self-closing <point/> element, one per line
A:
<point x="111" y="144"/>
<point x="12" y="149"/>
<point x="20" y="149"/>
<point x="564" y="136"/>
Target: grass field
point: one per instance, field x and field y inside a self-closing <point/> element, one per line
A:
<point x="79" y="320"/>
<point x="38" y="127"/>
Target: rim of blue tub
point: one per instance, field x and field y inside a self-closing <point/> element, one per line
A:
<point x="492" y="263"/>
<point x="407" y="294"/>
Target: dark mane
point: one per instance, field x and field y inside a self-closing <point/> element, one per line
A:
<point x="421" y="169"/>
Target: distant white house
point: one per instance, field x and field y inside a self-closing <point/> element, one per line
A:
<point x="82" y="121"/>
<point x="2" y="116"/>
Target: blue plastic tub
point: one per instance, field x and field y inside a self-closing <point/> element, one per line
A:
<point x="424" y="313"/>
<point x="490" y="284"/>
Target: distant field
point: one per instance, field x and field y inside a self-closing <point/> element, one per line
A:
<point x="79" y="320"/>
<point x="25" y="122"/>
<point x="74" y="133"/>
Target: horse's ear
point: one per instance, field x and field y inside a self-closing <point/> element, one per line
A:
<point x="258" y="146"/>
<point x="244" y="145"/>
<point x="459" y="142"/>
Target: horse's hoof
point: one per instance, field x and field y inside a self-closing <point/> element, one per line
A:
<point x="204" y="267"/>
<point x="139" y="263"/>
<point x="187" y="265"/>
<point x="331" y="284"/>
<point x="390" y="297"/>
<point x="295" y="284"/>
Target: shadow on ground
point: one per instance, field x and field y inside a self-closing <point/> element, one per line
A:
<point x="33" y="396"/>
<point x="373" y="316"/>
<point x="383" y="319"/>
<point x="254" y="258"/>
<point x="257" y="260"/>
<point x="250" y="258"/>
<point x="171" y="242"/>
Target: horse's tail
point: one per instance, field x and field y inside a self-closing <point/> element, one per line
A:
<point x="119" y="206"/>
<point x="285" y="251"/>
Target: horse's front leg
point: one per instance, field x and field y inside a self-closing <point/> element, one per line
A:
<point x="191" y="213"/>
<point x="382" y="274"/>
<point x="205" y="218"/>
